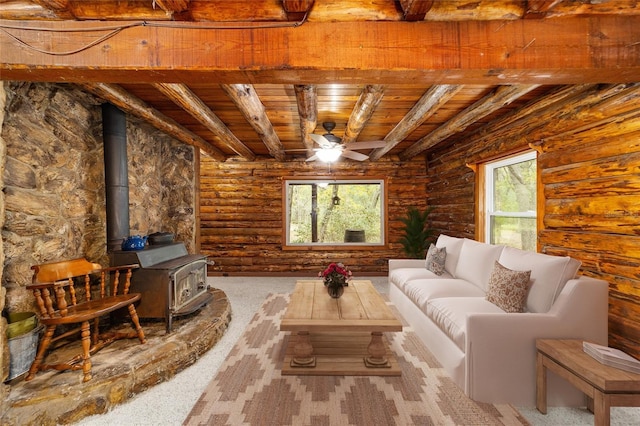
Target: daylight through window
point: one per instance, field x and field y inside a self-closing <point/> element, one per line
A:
<point x="336" y="212"/>
<point x="510" y="203"/>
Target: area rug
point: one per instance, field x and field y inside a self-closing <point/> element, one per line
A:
<point x="250" y="390"/>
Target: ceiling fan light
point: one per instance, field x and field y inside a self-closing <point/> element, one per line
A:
<point x="329" y="155"/>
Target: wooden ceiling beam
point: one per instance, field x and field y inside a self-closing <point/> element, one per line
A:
<point x="415" y="10"/>
<point x="135" y="106"/>
<point x="182" y="96"/>
<point x="44" y="9"/>
<point x="537" y="9"/>
<point x="307" y="100"/>
<point x="432" y="100"/>
<point x="545" y="51"/>
<point x="172" y="6"/>
<point x="296" y="10"/>
<point x="219" y="11"/>
<point x="178" y="10"/>
<point x="500" y="97"/>
<point x="585" y="111"/>
<point x="521" y="118"/>
<point x="247" y="100"/>
<point x="478" y="10"/>
<point x="548" y="117"/>
<point x="367" y="102"/>
<point x="59" y="7"/>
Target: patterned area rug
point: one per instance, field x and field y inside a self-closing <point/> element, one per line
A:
<point x="250" y="390"/>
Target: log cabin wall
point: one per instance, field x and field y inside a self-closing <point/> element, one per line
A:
<point x="241" y="215"/>
<point x="589" y="166"/>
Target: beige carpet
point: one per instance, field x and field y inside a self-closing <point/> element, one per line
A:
<point x="249" y="389"/>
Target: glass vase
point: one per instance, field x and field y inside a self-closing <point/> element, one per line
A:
<point x="335" y="290"/>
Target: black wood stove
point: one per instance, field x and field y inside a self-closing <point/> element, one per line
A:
<point x="171" y="281"/>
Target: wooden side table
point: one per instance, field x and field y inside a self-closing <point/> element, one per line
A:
<point x="604" y="386"/>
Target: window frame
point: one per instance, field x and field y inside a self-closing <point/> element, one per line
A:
<point x="287" y="181"/>
<point x="485" y="194"/>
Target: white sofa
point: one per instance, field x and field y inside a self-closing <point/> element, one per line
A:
<point x="489" y="353"/>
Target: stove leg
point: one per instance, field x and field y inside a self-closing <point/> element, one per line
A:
<point x="169" y="323"/>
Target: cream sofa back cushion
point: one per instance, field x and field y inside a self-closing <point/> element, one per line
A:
<point x="453" y="245"/>
<point x="549" y="274"/>
<point x="476" y="262"/>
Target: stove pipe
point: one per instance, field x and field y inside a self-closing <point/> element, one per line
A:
<point x="114" y="135"/>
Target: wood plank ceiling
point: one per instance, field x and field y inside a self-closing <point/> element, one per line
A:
<point x="263" y="118"/>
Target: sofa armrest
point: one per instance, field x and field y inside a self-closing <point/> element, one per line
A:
<point x="405" y="263"/>
<point x="501" y="348"/>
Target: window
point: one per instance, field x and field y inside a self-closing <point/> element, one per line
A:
<point x="510" y="201"/>
<point x="334" y="212"/>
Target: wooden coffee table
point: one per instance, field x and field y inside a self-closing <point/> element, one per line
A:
<point x="339" y="336"/>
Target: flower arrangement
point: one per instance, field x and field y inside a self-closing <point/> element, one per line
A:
<point x="336" y="274"/>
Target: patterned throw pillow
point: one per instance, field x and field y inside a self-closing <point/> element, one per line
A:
<point x="508" y="288"/>
<point x="435" y="259"/>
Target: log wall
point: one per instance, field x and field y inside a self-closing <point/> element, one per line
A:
<point x="241" y="212"/>
<point x="589" y="167"/>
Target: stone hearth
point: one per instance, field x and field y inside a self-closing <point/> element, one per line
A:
<point x="120" y="371"/>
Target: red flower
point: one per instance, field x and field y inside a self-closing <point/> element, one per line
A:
<point x="336" y="272"/>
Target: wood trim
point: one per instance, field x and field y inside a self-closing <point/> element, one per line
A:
<point x="540" y="203"/>
<point x="343" y="247"/>
<point x="479" y="201"/>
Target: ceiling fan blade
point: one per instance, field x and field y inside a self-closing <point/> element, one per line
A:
<point x="314" y="157"/>
<point x="320" y="140"/>
<point x="354" y="155"/>
<point x="366" y="145"/>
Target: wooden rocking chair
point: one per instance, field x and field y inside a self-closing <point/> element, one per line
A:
<point x="60" y="303"/>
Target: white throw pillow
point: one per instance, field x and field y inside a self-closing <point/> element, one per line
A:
<point x="549" y="274"/>
<point x="435" y="259"/>
<point x="476" y="262"/>
<point x="453" y="246"/>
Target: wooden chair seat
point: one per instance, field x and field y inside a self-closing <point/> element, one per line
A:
<point x="93" y="309"/>
<point x="61" y="303"/>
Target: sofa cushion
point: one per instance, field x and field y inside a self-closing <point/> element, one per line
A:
<point x="421" y="291"/>
<point x="549" y="274"/>
<point x="450" y="315"/>
<point x="401" y="276"/>
<point x="508" y="288"/>
<point x="476" y="262"/>
<point x="435" y="259"/>
<point x="453" y="246"/>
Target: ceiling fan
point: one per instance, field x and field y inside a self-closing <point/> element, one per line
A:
<point x="332" y="148"/>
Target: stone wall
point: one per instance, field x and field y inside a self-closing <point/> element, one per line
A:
<point x="4" y="366"/>
<point x="53" y="188"/>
